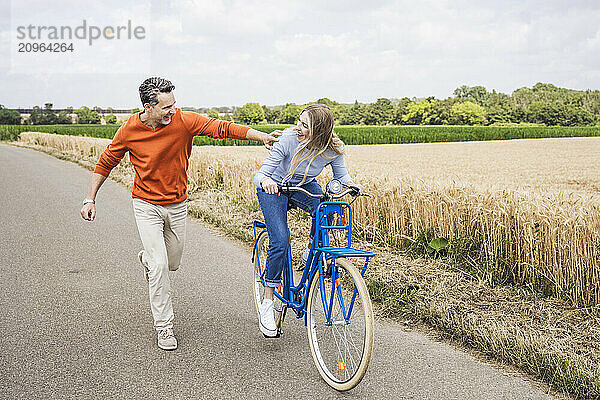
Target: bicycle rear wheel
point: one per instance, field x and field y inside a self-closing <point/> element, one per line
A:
<point x="262" y="245"/>
<point x="341" y="349"/>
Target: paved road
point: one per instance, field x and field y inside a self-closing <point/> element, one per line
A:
<point x="76" y="323"/>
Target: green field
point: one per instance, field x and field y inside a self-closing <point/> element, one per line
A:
<point x="349" y="134"/>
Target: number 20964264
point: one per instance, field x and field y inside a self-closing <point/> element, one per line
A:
<point x="26" y="47"/>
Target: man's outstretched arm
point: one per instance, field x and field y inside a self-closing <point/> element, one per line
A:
<point x="205" y="126"/>
<point x="88" y="211"/>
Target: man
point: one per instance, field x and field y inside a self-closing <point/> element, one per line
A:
<point x="159" y="142"/>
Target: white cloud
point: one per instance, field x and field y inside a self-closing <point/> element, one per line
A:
<point x="238" y="18"/>
<point x="168" y="31"/>
<point x="593" y="43"/>
<point x="306" y="47"/>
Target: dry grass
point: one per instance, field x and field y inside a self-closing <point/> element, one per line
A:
<point x="549" y="338"/>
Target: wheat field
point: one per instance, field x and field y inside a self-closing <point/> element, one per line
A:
<point x="522" y="212"/>
<point x="565" y="165"/>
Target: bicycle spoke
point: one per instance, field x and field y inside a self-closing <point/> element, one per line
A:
<point x="346" y="339"/>
<point x="337" y="344"/>
<point x="345" y="354"/>
<point x="346" y="342"/>
<point x="351" y="341"/>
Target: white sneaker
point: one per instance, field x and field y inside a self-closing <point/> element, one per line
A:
<point x="266" y="319"/>
<point x="166" y="339"/>
<point x="146" y="270"/>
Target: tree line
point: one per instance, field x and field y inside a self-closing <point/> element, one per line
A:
<point x="543" y="104"/>
<point x="46" y="116"/>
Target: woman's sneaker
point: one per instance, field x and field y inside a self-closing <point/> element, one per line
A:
<point x="166" y="339"/>
<point x="266" y="319"/>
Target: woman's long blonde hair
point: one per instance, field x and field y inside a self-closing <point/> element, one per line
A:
<point x="321" y="137"/>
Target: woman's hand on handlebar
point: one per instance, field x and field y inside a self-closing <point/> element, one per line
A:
<point x="269" y="186"/>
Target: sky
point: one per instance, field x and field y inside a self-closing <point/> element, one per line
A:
<point x="228" y="53"/>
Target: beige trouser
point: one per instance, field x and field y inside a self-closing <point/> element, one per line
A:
<point x="162" y="230"/>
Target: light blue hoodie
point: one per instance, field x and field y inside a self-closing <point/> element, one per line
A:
<point x="277" y="164"/>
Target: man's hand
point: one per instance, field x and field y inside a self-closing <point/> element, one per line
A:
<point x="269" y="186"/>
<point x="271" y="138"/>
<point x="88" y="211"/>
<point x="267" y="138"/>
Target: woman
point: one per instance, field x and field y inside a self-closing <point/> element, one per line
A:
<point x="298" y="158"/>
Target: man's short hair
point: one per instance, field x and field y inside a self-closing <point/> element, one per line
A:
<point x="151" y="87"/>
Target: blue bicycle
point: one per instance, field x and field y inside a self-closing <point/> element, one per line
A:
<point x="331" y="294"/>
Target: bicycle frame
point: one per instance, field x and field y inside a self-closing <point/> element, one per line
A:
<point x="295" y="296"/>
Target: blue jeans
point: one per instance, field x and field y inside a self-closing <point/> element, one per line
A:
<point x="274" y="208"/>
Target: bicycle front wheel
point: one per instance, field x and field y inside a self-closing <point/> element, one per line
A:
<point x="342" y="347"/>
<point x="260" y="263"/>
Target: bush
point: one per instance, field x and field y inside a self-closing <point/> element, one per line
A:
<point x="250" y="113"/>
<point x="110" y="119"/>
<point x="467" y="113"/>
<point x="9" y="117"/>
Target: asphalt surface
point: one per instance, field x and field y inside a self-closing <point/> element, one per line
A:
<point x="75" y="319"/>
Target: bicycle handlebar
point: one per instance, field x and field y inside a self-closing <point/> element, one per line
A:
<point x="352" y="191"/>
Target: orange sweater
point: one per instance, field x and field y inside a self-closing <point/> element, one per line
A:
<point x="160" y="156"/>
